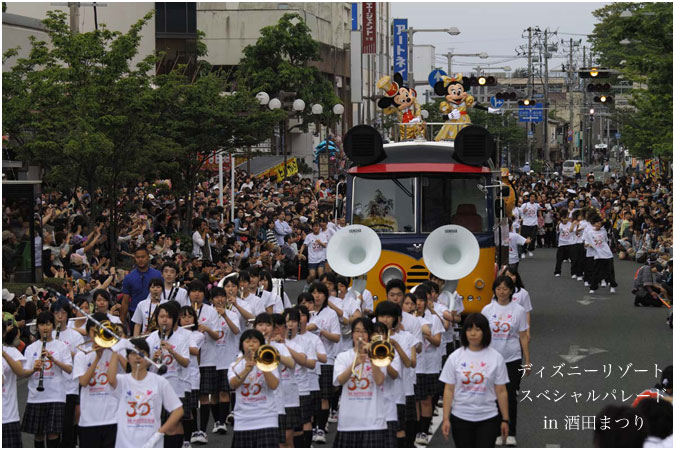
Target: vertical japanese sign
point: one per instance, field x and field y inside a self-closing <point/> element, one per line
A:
<point x="401" y="47"/>
<point x="355" y="16"/>
<point x="369" y="44"/>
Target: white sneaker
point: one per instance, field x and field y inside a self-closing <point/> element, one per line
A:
<point x="199" y="437"/>
<point x="530" y="254"/>
<point x="216" y="427"/>
<point x="591" y="291"/>
<point x="320" y="436"/>
<point x="574" y="277"/>
<point x="587" y="284"/>
<point x="499" y="442"/>
<point x="229" y="420"/>
<point x="522" y="256"/>
<point x="603" y="283"/>
<point x="422" y="439"/>
<point x="612" y="290"/>
<point x="314" y="434"/>
<point x="186" y="444"/>
<point x="333" y="417"/>
<point x="510" y="441"/>
<point x="557" y="275"/>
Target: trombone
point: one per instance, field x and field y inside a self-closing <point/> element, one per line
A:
<point x="104" y="337"/>
<point x="380" y="352"/>
<point x="266" y="358"/>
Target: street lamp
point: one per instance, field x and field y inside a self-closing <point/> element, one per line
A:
<point x="481" y="55"/>
<point x="317" y="109"/>
<point x="452" y="31"/>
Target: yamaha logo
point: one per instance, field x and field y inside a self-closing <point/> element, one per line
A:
<point x="354" y="230"/>
<point x="451" y="230"/>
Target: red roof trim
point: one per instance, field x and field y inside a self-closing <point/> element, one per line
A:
<point x="419" y="167"/>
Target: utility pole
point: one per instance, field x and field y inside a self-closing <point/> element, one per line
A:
<point x="547" y="148"/>
<point x="570" y="79"/>
<point x="586" y="134"/>
<point x="74" y="17"/>
<point x="530" y="81"/>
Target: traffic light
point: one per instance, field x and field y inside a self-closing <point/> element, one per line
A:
<point x="482" y="81"/>
<point x="593" y="72"/>
<point x="591" y="114"/>
<point x="606" y="99"/>
<point x="526" y="102"/>
<point x="506" y="96"/>
<point x="599" y="87"/>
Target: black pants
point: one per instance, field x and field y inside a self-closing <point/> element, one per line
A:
<point x="604" y="270"/>
<point x="564" y="252"/>
<point x="529" y="231"/>
<point x="589" y="268"/>
<point x="578" y="259"/>
<point x="468" y="434"/>
<point x="102" y="436"/>
<point x="549" y="237"/>
<point x="511" y="387"/>
<point x="68" y="437"/>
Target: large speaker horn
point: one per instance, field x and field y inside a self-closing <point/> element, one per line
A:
<point x="451" y="252"/>
<point x="353" y="250"/>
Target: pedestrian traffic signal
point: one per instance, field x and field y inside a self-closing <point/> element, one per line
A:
<point x="591" y="114"/>
<point x="593" y="72"/>
<point x="506" y="96"/>
<point x="483" y="81"/>
<point x="526" y="102"/>
<point x="603" y="99"/>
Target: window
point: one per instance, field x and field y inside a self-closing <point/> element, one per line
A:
<point x="453" y="200"/>
<point x="385" y="205"/>
<point x="176" y="18"/>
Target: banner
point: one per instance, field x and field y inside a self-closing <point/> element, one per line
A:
<point x="369" y="44"/>
<point x="401" y="47"/>
<point x="278" y="170"/>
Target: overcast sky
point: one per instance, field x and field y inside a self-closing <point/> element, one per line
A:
<point x="495" y="28"/>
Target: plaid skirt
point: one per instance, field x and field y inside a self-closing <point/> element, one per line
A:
<point x="292" y="418"/>
<point x="426" y="385"/>
<point x="410" y="409"/>
<point x="264" y="438"/>
<point x="208" y="380"/>
<point x="192" y="399"/>
<point x="400" y="415"/>
<point x="223" y="383"/>
<point x="306" y="408"/>
<point x="326" y="381"/>
<point x="43" y="418"/>
<point x="11" y="435"/>
<point x="362" y="439"/>
<point x="187" y="413"/>
<point x="392" y="427"/>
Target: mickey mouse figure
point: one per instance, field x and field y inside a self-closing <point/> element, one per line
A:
<point x="455" y="91"/>
<point x="402" y="100"/>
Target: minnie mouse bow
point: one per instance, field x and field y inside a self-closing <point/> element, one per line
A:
<point x="447" y="80"/>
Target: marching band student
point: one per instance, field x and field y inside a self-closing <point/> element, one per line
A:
<point x="208" y="324"/>
<point x="582" y="228"/>
<point x="45" y="409"/>
<point x="566" y="241"/>
<point x="340" y="306"/>
<point x="189" y="317"/>
<point x="79" y="322"/>
<point x="392" y="385"/>
<point x="289" y="384"/>
<point x="70" y="337"/>
<point x="362" y="420"/>
<point x="229" y="323"/>
<point x="146" y="310"/>
<point x="249" y="305"/>
<point x="303" y="432"/>
<point x="521" y="296"/>
<point x="141" y="395"/>
<point x="409" y="306"/>
<point x="428" y="363"/>
<point x="316" y="243"/>
<point x="256" y="418"/>
<point x="389" y="314"/>
<point x="169" y="291"/>
<point x="12" y="368"/>
<point x="469" y="407"/>
<point x="508" y="318"/>
<point x="306" y="308"/>
<point x="273" y="303"/>
<point x="395" y="293"/>
<point x="169" y="345"/>
<point x="351" y="310"/>
<point x="578" y="261"/>
<point x="98" y="424"/>
<point x="327" y="325"/>
<point x="102" y="303"/>
<point x="515" y="242"/>
<point x="589" y="255"/>
<point x="603" y="257"/>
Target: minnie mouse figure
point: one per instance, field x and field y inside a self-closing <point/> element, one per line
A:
<point x="402" y="100"/>
<point x="454" y="89"/>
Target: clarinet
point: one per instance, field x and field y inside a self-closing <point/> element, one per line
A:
<point x="41" y="381"/>
<point x="174" y="291"/>
<point x="58" y="331"/>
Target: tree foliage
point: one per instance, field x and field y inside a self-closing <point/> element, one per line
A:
<point x="280" y="61"/>
<point x="647" y="60"/>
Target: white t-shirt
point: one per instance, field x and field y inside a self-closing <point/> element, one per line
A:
<point x="313" y="374"/>
<point x="453" y="301"/>
<point x="407" y="374"/>
<point x="302" y="373"/>
<point x="327" y="320"/>
<point x="288" y="388"/>
<point x="72" y="339"/>
<point x="522" y="298"/>
<point x="394" y="389"/>
<point x="514" y="241"/>
<point x="598" y="239"/>
<point x="580" y="230"/>
<point x="98" y="404"/>
<point x="207" y="315"/>
<point x="196" y="340"/>
<point x="139" y="408"/>
<point x="10" y="404"/>
<point x="412" y="325"/>
<point x="256" y="406"/>
<point x="181" y="296"/>
<point x="253" y="304"/>
<point x="586" y="239"/>
<point x="362" y="403"/>
<point x="506" y="324"/>
<point x="55" y="380"/>
<point x="179" y="341"/>
<point x="529" y="211"/>
<point x="565" y="236"/>
<point x="516" y="218"/>
<point x="474" y="375"/>
<point x="228" y="345"/>
<point x="143" y="313"/>
<point x="316" y="252"/>
<point x="429" y="361"/>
